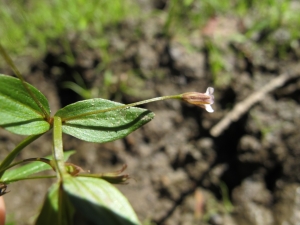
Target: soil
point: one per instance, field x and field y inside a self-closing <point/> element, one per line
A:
<point x="181" y="174"/>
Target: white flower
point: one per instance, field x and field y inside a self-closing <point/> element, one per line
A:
<point x="203" y="100"/>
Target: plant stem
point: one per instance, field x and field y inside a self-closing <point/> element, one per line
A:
<point x="11" y="156"/>
<point x="123" y="106"/>
<point x="58" y="154"/>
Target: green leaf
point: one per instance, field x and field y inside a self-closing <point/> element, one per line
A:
<point x="30" y="169"/>
<point x="49" y="212"/>
<point x="99" y="201"/>
<point x="57" y="208"/>
<point x="19" y="113"/>
<point x="95" y="200"/>
<point x="104" y="126"/>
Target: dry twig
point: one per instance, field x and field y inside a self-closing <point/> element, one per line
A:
<point x="242" y="107"/>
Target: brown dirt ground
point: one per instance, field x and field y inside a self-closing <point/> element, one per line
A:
<point x="180" y="171"/>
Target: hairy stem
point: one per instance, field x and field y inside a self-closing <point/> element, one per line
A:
<point x="58" y="154"/>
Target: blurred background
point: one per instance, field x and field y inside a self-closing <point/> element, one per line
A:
<point x="184" y="171"/>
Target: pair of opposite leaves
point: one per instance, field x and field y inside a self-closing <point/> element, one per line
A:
<point x="20" y="114"/>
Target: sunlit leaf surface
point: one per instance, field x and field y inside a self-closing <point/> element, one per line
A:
<point x="94" y="200"/>
<point x="103" y="126"/>
<point x="19" y="113"/>
<point x="99" y="201"/>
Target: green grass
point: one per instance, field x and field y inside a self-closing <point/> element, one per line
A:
<point x="30" y="26"/>
<point x="10" y="220"/>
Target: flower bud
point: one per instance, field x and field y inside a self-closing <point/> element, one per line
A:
<point x="204" y="100"/>
<point x="115" y="177"/>
<point x="73" y="169"/>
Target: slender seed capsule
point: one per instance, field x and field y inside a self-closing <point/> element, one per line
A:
<point x="203" y="100"/>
